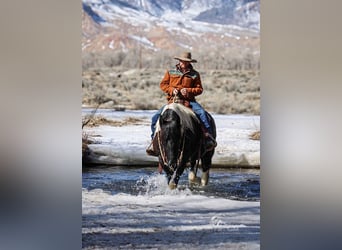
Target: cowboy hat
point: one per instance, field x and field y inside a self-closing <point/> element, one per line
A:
<point x="186" y="56"/>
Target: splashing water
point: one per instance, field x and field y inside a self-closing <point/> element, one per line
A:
<point x="134" y="208"/>
<point x="225" y="183"/>
<point x="156" y="184"/>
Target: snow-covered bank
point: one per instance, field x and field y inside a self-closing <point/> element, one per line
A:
<point x="125" y="145"/>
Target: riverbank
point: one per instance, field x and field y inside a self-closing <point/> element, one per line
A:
<point x="122" y="140"/>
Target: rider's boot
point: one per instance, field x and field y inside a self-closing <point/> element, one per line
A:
<point x="150" y="150"/>
<point x="209" y="141"/>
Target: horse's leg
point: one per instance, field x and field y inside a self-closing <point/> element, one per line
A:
<point x="206" y="165"/>
<point x="193" y="179"/>
<point x="173" y="180"/>
<point x="205" y="178"/>
<point x="192" y="173"/>
<point x="206" y="159"/>
<point x="176" y="175"/>
<point x="166" y="169"/>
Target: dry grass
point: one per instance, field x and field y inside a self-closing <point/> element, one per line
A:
<point x="98" y="120"/>
<point x="225" y="91"/>
<point x="255" y="135"/>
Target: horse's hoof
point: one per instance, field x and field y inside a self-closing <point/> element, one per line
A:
<point x="192" y="176"/>
<point x="205" y="178"/>
<point x="172" y="185"/>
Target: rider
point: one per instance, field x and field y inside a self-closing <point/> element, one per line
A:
<point x="184" y="81"/>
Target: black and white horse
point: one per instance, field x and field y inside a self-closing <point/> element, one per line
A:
<point x="179" y="143"/>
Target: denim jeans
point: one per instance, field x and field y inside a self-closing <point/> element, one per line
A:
<point x="200" y="113"/>
<point x="198" y="110"/>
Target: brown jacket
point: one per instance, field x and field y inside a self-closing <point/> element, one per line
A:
<point x="175" y="79"/>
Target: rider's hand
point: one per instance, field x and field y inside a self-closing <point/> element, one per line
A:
<point x="175" y="91"/>
<point x="184" y="92"/>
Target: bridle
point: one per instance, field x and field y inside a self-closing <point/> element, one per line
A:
<point x="163" y="153"/>
<point x="176" y="99"/>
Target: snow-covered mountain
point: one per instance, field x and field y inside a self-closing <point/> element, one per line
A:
<point x="155" y="25"/>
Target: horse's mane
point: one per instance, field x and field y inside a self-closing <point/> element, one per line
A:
<point x="185" y="114"/>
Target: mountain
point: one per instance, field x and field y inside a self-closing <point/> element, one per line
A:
<point x="151" y="25"/>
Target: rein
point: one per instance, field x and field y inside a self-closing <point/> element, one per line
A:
<point x="163" y="156"/>
<point x="162" y="152"/>
<point x="180" y="157"/>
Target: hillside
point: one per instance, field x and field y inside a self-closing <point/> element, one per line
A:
<point x="128" y="44"/>
<point x="225" y="91"/>
<point x="185" y="24"/>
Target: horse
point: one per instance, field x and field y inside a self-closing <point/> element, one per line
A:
<point x="179" y="142"/>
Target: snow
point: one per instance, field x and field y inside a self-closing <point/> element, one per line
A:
<point x="168" y="18"/>
<point x="111" y="44"/>
<point x="143" y="40"/>
<point x="127" y="144"/>
<point x="195" y="8"/>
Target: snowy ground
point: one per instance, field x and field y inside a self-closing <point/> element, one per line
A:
<point x="126" y="145"/>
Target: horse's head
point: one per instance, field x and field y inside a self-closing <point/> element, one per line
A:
<point x="169" y="122"/>
<point x="179" y="140"/>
